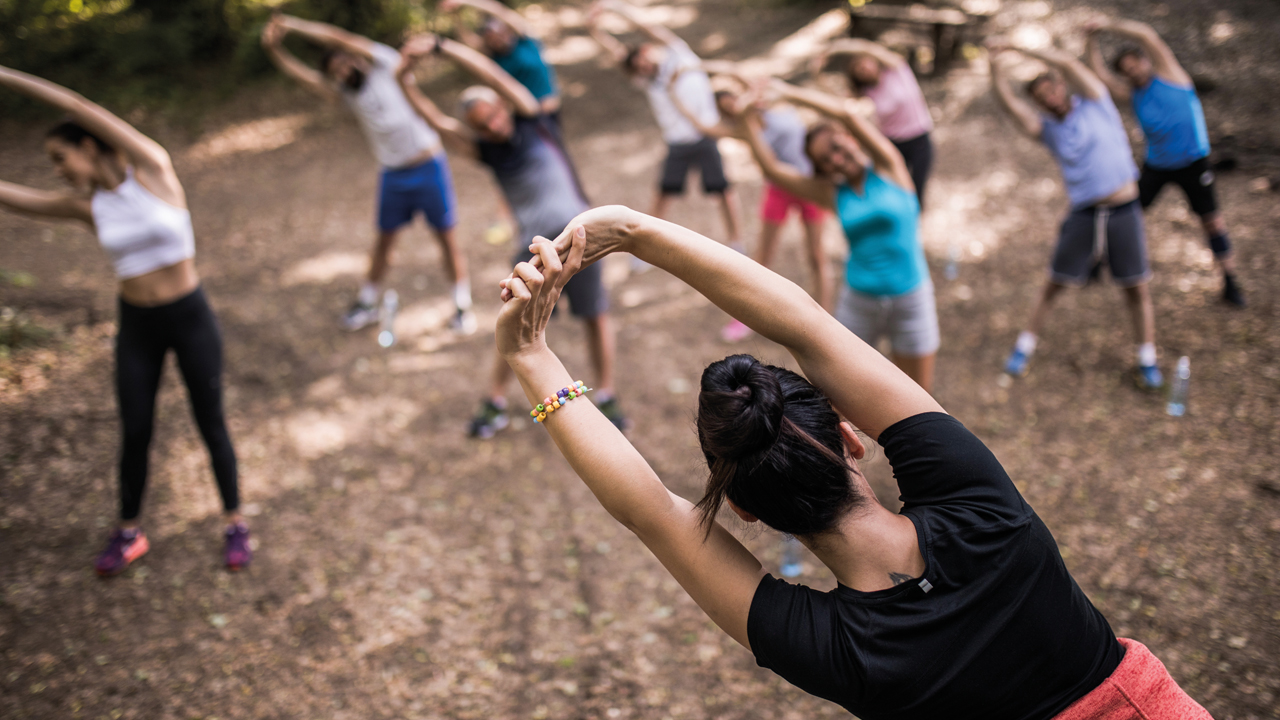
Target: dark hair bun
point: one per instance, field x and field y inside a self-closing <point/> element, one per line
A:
<point x="741" y="407"/>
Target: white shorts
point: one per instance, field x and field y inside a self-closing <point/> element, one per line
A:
<point x="910" y="320"/>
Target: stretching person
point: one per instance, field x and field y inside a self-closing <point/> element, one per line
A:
<point x="415" y="175"/>
<point x="508" y="40"/>
<point x="1080" y="125"/>
<point x="960" y="606"/>
<point x="537" y="181"/>
<point x="876" y="72"/>
<point x="125" y="189"/>
<point x="861" y="176"/>
<point x="1165" y="101"/>
<point x="784" y="132"/>
<point x="654" y="65"/>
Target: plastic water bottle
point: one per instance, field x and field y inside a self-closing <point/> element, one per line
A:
<point x="1181" y="382"/>
<point x="791" y="558"/>
<point x="953" y="267"/>
<point x="387" y="333"/>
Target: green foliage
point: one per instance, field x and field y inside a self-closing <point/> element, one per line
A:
<point x="163" y="50"/>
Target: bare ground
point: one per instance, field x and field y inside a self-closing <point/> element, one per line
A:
<point x="404" y="571"/>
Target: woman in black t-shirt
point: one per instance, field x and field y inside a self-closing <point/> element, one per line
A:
<point x="958" y="607"/>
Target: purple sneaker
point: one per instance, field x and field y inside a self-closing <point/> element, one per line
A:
<point x="238" y="554"/>
<point x="123" y="548"/>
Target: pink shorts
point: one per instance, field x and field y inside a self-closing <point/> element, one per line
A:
<point x="776" y="203"/>
<point x="1139" y="689"/>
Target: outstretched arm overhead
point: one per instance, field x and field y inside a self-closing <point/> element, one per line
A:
<point x="657" y="33"/>
<point x="718" y="130"/>
<point x="613" y="47"/>
<point x="272" y="41"/>
<point x="856" y="46"/>
<point x="454" y="133"/>
<point x="1163" y="61"/>
<point x="151" y="162"/>
<point x="488" y="72"/>
<point x="1026" y="116"/>
<point x="329" y="36"/>
<point x="44" y="203"/>
<point x="814" y="189"/>
<point x="887" y="159"/>
<point x="513" y="19"/>
<point x="1079" y="78"/>
<point x="1118" y="88"/>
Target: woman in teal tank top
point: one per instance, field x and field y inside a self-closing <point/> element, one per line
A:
<point x="862" y="177"/>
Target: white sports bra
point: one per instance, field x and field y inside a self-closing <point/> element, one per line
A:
<point x="140" y="231"/>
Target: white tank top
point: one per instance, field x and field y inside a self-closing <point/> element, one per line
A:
<point x="140" y="231"/>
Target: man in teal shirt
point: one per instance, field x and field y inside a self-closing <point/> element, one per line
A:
<point x="506" y="37"/>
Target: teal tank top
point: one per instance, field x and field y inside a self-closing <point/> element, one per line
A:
<point x="882" y="227"/>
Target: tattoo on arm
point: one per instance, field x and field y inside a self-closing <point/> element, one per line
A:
<point x="899" y="578"/>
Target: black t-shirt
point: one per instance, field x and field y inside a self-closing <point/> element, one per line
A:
<point x="995" y="628"/>
<point x="536" y="176"/>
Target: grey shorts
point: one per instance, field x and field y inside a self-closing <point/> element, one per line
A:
<point x="910" y="320"/>
<point x="587" y="296"/>
<point x="1091" y="235"/>
<point x="704" y="154"/>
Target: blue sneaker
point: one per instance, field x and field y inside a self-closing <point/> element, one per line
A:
<point x="1016" y="365"/>
<point x="1148" y="377"/>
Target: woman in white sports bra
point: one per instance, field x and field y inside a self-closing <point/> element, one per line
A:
<point x="125" y="188"/>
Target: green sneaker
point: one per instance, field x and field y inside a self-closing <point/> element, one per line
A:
<point x="488" y="421"/>
<point x="609" y="408"/>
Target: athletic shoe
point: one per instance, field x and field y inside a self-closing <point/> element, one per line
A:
<point x="609" y="408"/>
<point x="1017" y="363"/>
<point x="735" y="332"/>
<point x="238" y="553"/>
<point x="361" y="315"/>
<point x="488" y="421"/>
<point x="1231" y="292"/>
<point x="463" y="322"/>
<point x="1148" y="377"/>
<point x="123" y="548"/>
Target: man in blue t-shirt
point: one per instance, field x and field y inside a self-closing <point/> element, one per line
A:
<point x="1074" y="117"/>
<point x="1164" y="99"/>
<point x="507" y="38"/>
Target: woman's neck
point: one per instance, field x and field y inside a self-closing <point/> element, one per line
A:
<point x="870" y="549"/>
<point x="109" y="172"/>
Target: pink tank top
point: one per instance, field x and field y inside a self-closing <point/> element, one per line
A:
<point x="901" y="111"/>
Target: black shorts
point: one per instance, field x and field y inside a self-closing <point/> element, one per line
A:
<point x="918" y="152"/>
<point x="587" y="296"/>
<point x="705" y="155"/>
<point x="1093" y="234"/>
<point x="1196" y="180"/>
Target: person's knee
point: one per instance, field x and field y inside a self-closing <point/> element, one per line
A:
<point x="1137" y="293"/>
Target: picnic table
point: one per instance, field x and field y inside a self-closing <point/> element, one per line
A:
<point x="949" y="27"/>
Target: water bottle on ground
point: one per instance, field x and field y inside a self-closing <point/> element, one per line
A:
<point x="387" y="332"/>
<point x="1181" y="383"/>
<point x="791" y="558"/>
<point x="952" y="270"/>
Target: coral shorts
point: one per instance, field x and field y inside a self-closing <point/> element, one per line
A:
<point x="776" y="203"/>
<point x="1139" y="689"/>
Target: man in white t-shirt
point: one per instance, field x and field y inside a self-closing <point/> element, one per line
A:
<point x="652" y="65"/>
<point x="415" y="172"/>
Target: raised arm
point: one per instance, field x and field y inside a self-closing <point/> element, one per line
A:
<point x="658" y="33"/>
<point x="329" y="35"/>
<point x="150" y="160"/>
<point x="1163" y="61"/>
<point x="44" y="203"/>
<point x="814" y="189"/>
<point x="1080" y="78"/>
<point x="887" y="159"/>
<point x="856" y="46"/>
<point x="454" y="133"/>
<point x="272" y="42"/>
<point x="718" y="130"/>
<point x="718" y="572"/>
<point x="488" y="72"/>
<point x="613" y="47"/>
<point x="1093" y="57"/>
<point x="513" y="19"/>
<point x="1019" y="109"/>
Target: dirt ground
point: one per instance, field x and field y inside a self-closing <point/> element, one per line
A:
<point x="406" y="571"/>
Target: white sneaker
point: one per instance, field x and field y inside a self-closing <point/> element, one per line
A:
<point x="464" y="322"/>
<point x="359" y="316"/>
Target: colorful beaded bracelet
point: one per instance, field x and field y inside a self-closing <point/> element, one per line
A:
<point x="551" y="404"/>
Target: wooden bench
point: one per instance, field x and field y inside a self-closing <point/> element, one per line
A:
<point x="949" y="27"/>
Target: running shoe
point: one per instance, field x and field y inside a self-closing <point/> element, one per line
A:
<point x="1148" y="377"/>
<point x="1231" y="293"/>
<point x="361" y="315"/>
<point x="609" y="408"/>
<point x="1017" y="363"/>
<point x="734" y="332"/>
<point x="123" y="548"/>
<point x="463" y="322"/>
<point x="488" y="421"/>
<point x="238" y="553"/>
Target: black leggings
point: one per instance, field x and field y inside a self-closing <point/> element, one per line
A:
<point x="918" y="152"/>
<point x="146" y="335"/>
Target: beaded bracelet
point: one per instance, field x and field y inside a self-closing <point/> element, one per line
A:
<point x="551" y="404"/>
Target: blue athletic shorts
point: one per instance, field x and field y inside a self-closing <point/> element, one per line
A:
<point x="425" y="188"/>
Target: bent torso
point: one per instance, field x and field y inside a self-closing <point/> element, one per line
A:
<point x="1126" y="194"/>
<point x="161" y="287"/>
